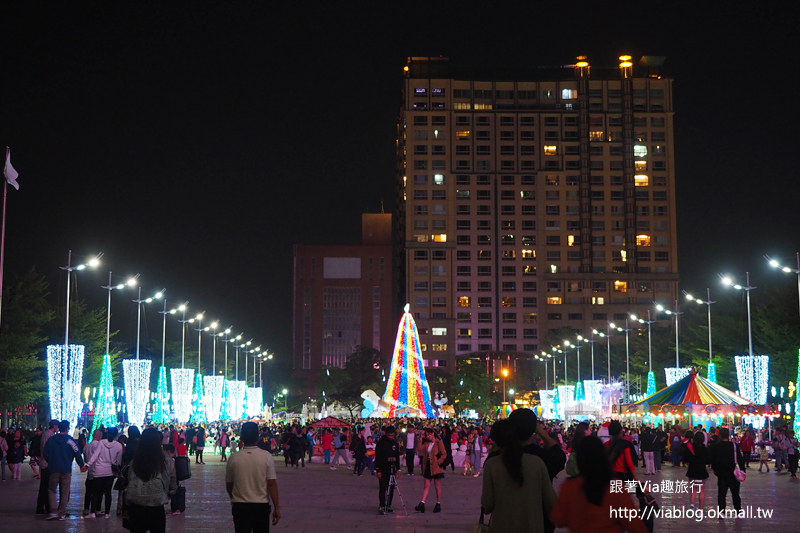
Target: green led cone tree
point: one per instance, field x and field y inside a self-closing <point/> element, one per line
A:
<point x="198" y="401"/>
<point x="225" y="406"/>
<point x="105" y="409"/>
<point x="161" y="403"/>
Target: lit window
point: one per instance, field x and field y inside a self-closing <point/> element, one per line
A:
<point x="620" y="286"/>
<point x="624" y="255"/>
<point x="568" y="94"/>
<point x="462" y="135"/>
<point x="439" y="331"/>
<point x="643" y="240"/>
<point x="463" y="301"/>
<point x="439" y="347"/>
<point x="641" y="180"/>
<point x="570" y="240"/>
<point x="553" y="269"/>
<point x="438" y="179"/>
<point x="509" y="301"/>
<point x="554" y="300"/>
<point x="598" y="300"/>
<point x="640" y="166"/>
<point x="439" y="238"/>
<point x="596" y="136"/>
<point x="529" y="254"/>
<point x="422" y="238"/>
<point x="550" y="150"/>
<point x="639" y="150"/>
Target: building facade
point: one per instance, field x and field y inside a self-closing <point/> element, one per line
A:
<point x="533" y="201"/>
<point x="342" y="298"/>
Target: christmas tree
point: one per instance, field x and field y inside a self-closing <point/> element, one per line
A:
<point x="712" y="372"/>
<point x="651" y="383"/>
<point x="161" y="406"/>
<point x="407" y="385"/>
<point x="105" y="409"/>
<point x="198" y="403"/>
<point x="224" y="408"/>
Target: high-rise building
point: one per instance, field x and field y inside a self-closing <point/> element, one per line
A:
<point x="531" y="201"/>
<point x="342" y="298"/>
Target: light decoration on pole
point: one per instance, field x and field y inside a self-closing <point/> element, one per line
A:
<point x="753" y="375"/>
<point x="593" y="388"/>
<point x="161" y="405"/>
<point x="675" y="374"/>
<point x="407" y="385"/>
<point x="64" y="375"/>
<point x="548" y="407"/>
<point x="579" y="395"/>
<point x="566" y="398"/>
<point x="105" y="410"/>
<point x="651" y="383"/>
<point x="236" y="396"/>
<point x="225" y="406"/>
<point x="182" y="379"/>
<point x="198" y="402"/>
<point x="712" y="372"/>
<point x="213" y="396"/>
<point x="556" y="402"/>
<point x="253" y="399"/>
<point x="137" y="388"/>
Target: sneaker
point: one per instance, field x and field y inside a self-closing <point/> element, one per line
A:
<point x="381" y="511"/>
<point x="420" y="508"/>
<point x="91" y="515"/>
<point x="389" y="510"/>
<point x="108" y="517"/>
<point x="437" y="508"/>
<point x="333" y="468"/>
<point x="52" y="516"/>
<point x="62" y="518"/>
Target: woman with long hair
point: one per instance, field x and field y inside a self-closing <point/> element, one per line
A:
<point x="516" y="486"/>
<point x="581" y="430"/>
<point x="151" y="482"/>
<point x="585" y="501"/>
<point x="697" y="457"/>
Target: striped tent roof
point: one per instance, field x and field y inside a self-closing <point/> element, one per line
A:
<point x="696" y="390"/>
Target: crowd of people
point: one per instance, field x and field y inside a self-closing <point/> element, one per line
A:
<point x="518" y="458"/>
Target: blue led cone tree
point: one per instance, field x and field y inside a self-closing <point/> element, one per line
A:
<point x="198" y="401"/>
<point x="161" y="401"/>
<point x="105" y="409"/>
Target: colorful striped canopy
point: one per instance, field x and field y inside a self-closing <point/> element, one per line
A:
<point x="407" y="385"/>
<point x="696" y="390"/>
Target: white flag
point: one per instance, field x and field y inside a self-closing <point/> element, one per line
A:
<point x="9" y="172"/>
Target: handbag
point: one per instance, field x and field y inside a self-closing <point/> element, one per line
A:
<point x="480" y="527"/>
<point x="738" y="474"/>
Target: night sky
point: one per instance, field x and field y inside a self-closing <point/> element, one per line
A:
<point x="195" y="143"/>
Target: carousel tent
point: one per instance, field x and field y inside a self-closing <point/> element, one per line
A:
<point x="695" y="395"/>
<point x="330" y="422"/>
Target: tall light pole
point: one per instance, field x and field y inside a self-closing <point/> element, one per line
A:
<point x="591" y="343"/>
<point x="727" y="280"/>
<point x="226" y="341"/>
<point x="677" y="329"/>
<point x="199" y="331"/>
<point x="139" y="301"/>
<point x="213" y="328"/>
<point x="130" y="283"/>
<point x="504" y="372"/>
<point x="708" y="304"/>
<point x="608" y="336"/>
<point x="626" y="329"/>
<point x="93" y="262"/>
<point x="238" y="338"/>
<point x="183" y="323"/>
<point x="567" y="345"/>
<point x="775" y="264"/>
<point x="651" y="375"/>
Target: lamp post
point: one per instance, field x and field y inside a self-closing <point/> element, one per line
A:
<point x="677" y="329"/>
<point x="183" y="323"/>
<point x="708" y="304"/>
<point x="504" y="372"/>
<point x="226" y="341"/>
<point x="285" y="400"/>
<point x="130" y="283"/>
<point x="651" y="375"/>
<point x="727" y="280"/>
<point x="591" y="343"/>
<point x="199" y="330"/>
<point x="213" y="328"/>
<point x="546" y="385"/>
<point x="608" y="336"/>
<point x="626" y="329"/>
<point x="139" y="301"/>
<point x="93" y="262"/>
<point x="775" y="264"/>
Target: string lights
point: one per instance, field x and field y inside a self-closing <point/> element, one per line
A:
<point x="105" y="411"/>
<point x="675" y="374"/>
<point x="236" y="397"/>
<point x="161" y="405"/>
<point x="753" y="375"/>
<point x="225" y="406"/>
<point x="64" y="376"/>
<point x="198" y="407"/>
<point x="136" y="373"/>
<point x="712" y="372"/>
<point x="407" y="385"/>
<point x="213" y="396"/>
<point x="182" y="379"/>
<point x="254" y="398"/>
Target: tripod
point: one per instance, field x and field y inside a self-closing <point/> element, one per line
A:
<point x="390" y="488"/>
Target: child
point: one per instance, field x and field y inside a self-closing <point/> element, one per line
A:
<point x="183" y="450"/>
<point x="234" y="444"/>
<point x="370" y="457"/>
<point x="764" y="455"/>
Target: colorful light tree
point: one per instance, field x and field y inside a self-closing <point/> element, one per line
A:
<point x="105" y="409"/>
<point x="225" y="406"/>
<point x="161" y="401"/>
<point x="712" y="372"/>
<point x="651" y="383"/>
<point x="198" y="403"/>
<point x="407" y="385"/>
<point x="182" y="379"/>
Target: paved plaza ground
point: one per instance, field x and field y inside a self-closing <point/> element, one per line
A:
<point x="317" y="499"/>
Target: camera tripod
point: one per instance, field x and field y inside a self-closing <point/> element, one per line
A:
<point x="389" y="493"/>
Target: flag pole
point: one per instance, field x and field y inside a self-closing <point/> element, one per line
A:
<point x="3" y="242"/>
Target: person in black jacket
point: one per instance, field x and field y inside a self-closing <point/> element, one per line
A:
<point x="697" y="457"/>
<point x="724" y="458"/>
<point x="359" y="447"/>
<point x="387" y="463"/>
<point x="648" y="442"/>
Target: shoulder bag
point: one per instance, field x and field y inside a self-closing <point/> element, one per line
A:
<point x="480" y="527"/>
<point x="738" y="474"/>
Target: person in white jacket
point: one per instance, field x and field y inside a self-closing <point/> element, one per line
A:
<point x="103" y="459"/>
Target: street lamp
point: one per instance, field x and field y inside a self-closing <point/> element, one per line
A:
<point x="504" y="372"/>
<point x="199" y="330"/>
<point x="546" y="384"/>
<point x="129" y="283"/>
<point x="651" y="375"/>
<point x="727" y="280"/>
<point x="226" y="341"/>
<point x="626" y="329"/>
<point x="591" y="342"/>
<point x="707" y="303"/>
<point x="607" y="334"/>
<point x="285" y="400"/>
<point x="92" y="262"/>
<point x="677" y="328"/>
<point x="775" y="264"/>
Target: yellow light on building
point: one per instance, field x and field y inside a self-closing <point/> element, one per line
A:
<point x="570" y="240"/>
